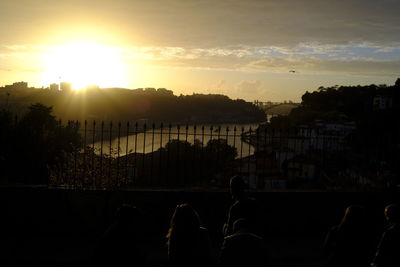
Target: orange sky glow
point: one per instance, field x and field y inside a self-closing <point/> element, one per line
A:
<point x="243" y="50"/>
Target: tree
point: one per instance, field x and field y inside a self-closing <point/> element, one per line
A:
<point x="40" y="142"/>
<point x="397" y="83"/>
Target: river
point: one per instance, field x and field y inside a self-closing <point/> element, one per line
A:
<point x="147" y="142"/>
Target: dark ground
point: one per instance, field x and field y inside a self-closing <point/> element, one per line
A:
<point x="61" y="228"/>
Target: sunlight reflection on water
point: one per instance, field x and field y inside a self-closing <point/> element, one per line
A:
<point x="149" y="142"/>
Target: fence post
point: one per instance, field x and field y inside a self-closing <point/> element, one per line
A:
<point x="160" y="154"/>
<point x="110" y="156"/>
<point x="93" y="154"/>
<point x="152" y="153"/>
<point x="101" y="152"/>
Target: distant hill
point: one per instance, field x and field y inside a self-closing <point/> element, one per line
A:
<point x="282" y="110"/>
<point x="145" y="105"/>
<point x="370" y="106"/>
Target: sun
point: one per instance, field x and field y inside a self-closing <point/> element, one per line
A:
<point x="84" y="63"/>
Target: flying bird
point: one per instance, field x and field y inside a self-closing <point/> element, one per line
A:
<point x="292" y="71"/>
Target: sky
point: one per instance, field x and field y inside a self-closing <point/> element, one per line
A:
<point x="243" y="49"/>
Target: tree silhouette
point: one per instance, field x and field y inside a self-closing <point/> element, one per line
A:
<point x="39" y="141"/>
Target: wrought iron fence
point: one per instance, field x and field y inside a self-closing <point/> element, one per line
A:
<point x="118" y="155"/>
<point x="189" y="156"/>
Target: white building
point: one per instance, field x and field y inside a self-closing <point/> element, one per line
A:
<point x="382" y="102"/>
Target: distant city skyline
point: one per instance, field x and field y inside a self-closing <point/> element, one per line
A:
<point x="269" y="50"/>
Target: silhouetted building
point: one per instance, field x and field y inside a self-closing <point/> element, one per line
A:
<point x="302" y="168"/>
<point x="54" y="87"/>
<point x="65" y="86"/>
<point x="17" y="85"/>
<point x="382" y="102"/>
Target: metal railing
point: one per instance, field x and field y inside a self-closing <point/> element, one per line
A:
<point x="117" y="155"/>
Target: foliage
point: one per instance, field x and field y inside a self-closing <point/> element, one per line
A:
<point x="156" y="105"/>
<point x="35" y="143"/>
<point x="377" y="129"/>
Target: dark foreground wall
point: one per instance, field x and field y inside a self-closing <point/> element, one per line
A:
<point x="38" y="212"/>
<point x="89" y="212"/>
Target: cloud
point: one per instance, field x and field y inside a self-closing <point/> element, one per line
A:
<point x="317" y="65"/>
<point x="255" y="89"/>
<point x="250" y="87"/>
<point x="355" y="59"/>
<point x="209" y="23"/>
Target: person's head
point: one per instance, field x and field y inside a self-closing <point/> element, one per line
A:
<point x="240" y="224"/>
<point x="184" y="220"/>
<point x="354" y="215"/>
<point x="392" y="213"/>
<point x="237" y="187"/>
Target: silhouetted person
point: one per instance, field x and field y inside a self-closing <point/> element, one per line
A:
<point x="243" y="248"/>
<point x="349" y="243"/>
<point x="388" y="252"/>
<point x="242" y="207"/>
<point x="122" y="243"/>
<point x="188" y="242"/>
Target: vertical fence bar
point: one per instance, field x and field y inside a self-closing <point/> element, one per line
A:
<point x="64" y="165"/>
<point x="101" y="151"/>
<point x="127" y="154"/>
<point x="144" y="154"/>
<point x="185" y="157"/>
<point x="110" y="156"/>
<point x="160" y="154"/>
<point x="118" y="180"/>
<point x="266" y="155"/>
<point x="304" y="145"/>
<point x="241" y="150"/>
<point x="211" y="156"/>
<point x="323" y="141"/>
<point x="249" y="157"/>
<point x="280" y="136"/>
<point x="236" y="159"/>
<point x="93" y="153"/>
<point x="70" y="158"/>
<point x="75" y="156"/>
<point x="194" y="173"/>
<point x="135" y="168"/>
<point x="152" y="153"/>
<point x="224" y="160"/>
<point x="257" y="154"/>
<point x="274" y="153"/>
<point x="177" y="155"/>
<point x="288" y="149"/>
<point x="202" y="161"/>
<point x="234" y="136"/>
<point x="168" y="154"/>
<point x="218" y="149"/>
<point x="84" y="152"/>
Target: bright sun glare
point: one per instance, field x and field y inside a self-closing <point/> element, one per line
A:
<point x="83" y="64"/>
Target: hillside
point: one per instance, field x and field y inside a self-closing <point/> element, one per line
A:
<point x="118" y="104"/>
